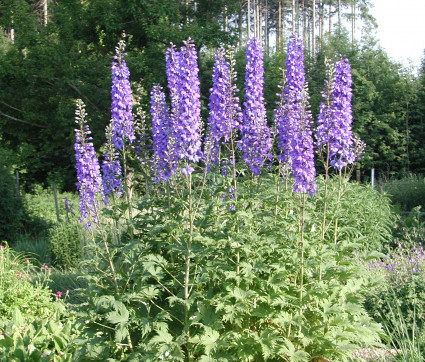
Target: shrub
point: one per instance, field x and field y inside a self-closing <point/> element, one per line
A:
<point x="65" y="244"/>
<point x="11" y="209"/>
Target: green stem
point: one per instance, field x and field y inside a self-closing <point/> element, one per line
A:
<point x="126" y="182"/>
<point x="337" y="207"/>
<point x="277" y="194"/>
<point x="187" y="271"/>
<point x="111" y="266"/>
<point x="302" y="257"/>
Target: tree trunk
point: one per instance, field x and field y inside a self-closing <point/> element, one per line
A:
<point x="293" y="16"/>
<point x="322" y="20"/>
<point x="248" y="16"/>
<point x="339" y="17"/>
<point x="240" y="24"/>
<point x="266" y="27"/>
<point x="279" y="27"/>
<point x="44" y="12"/>
<point x="313" y="33"/>
<point x="226" y="20"/>
<point x="330" y="18"/>
<point x="304" y="21"/>
<point x="353" y="22"/>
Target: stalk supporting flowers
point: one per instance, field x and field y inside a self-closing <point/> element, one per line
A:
<point x="183" y="82"/>
<point x="225" y="114"/>
<point x="161" y="133"/>
<point x="256" y="136"/>
<point x="293" y="120"/>
<point x="289" y="111"/>
<point x="89" y="180"/>
<point x="335" y="118"/>
<point x="121" y="107"/>
<point x="111" y="167"/>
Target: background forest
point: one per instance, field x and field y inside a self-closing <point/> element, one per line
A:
<point x="52" y="52"/>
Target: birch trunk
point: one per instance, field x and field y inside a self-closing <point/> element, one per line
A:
<point x="293" y="16"/>
<point x="44" y="12"/>
<point x="313" y="33"/>
<point x="330" y="18"/>
<point x="248" y="16"/>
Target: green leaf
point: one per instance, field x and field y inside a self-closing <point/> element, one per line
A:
<point x="120" y="315"/>
<point x="121" y="332"/>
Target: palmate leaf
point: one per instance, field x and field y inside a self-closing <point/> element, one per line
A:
<point x="293" y="353"/>
<point x="209" y="339"/>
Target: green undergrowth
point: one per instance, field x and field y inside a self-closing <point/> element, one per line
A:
<point x="193" y="279"/>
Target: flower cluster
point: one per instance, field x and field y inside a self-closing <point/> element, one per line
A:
<point x="122" y="106"/>
<point x="335" y="119"/>
<point x="293" y="121"/>
<point x="256" y="137"/>
<point x="183" y="82"/>
<point x="404" y="260"/>
<point x="325" y="119"/>
<point x="301" y="150"/>
<point x="111" y="167"/>
<point x="161" y="132"/>
<point x="89" y="181"/>
<point x="225" y="113"/>
<point x="289" y="111"/>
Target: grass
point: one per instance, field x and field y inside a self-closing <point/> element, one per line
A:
<point x="34" y="247"/>
<point x="406" y="193"/>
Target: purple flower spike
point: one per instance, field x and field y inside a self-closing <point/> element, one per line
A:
<point x="301" y="150"/>
<point x="335" y="118"/>
<point x="183" y="82"/>
<point x="289" y="110"/>
<point x="256" y="138"/>
<point x="121" y="107"/>
<point x="225" y="113"/>
<point x="111" y="167"/>
<point x="89" y="181"/>
<point x="161" y="133"/>
<point x="187" y="131"/>
<point x="293" y="120"/>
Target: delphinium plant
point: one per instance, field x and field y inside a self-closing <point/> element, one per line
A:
<point x="198" y="279"/>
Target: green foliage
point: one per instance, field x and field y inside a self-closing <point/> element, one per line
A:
<point x="407" y="337"/>
<point x="66" y="241"/>
<point x="242" y="272"/>
<point x="35" y="248"/>
<point x="406" y="193"/>
<point x="33" y="326"/>
<point x="17" y="289"/>
<point x="401" y="300"/>
<point x="12" y="209"/>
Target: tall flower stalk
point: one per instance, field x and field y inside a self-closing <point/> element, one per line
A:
<point x="256" y="137"/>
<point x="334" y="133"/>
<point x="295" y="141"/>
<point x="161" y="133"/>
<point x="121" y="110"/>
<point x="89" y="180"/>
<point x="121" y="107"/>
<point x="225" y="113"/>
<point x="183" y="82"/>
<point x="111" y="167"/>
<point x="89" y="185"/>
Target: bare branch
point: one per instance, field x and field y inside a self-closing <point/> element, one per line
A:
<point x="21" y="120"/>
